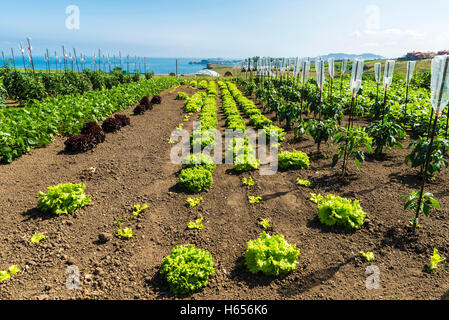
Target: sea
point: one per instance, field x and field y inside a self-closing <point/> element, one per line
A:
<point x="156" y="65"/>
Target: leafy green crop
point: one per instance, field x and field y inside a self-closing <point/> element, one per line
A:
<point x="426" y="204"/>
<point x="272" y="131"/>
<point x="351" y="144"/>
<point x="138" y="209"/>
<point x="126" y="233"/>
<point x="435" y="261"/>
<point x="322" y="131"/>
<point x="386" y="134"/>
<point x="37" y="237"/>
<point x="193" y="202"/>
<point x="22" y="129"/>
<point x="63" y="198"/>
<point x="333" y="210"/>
<point x="265" y="223"/>
<point x="182" y="96"/>
<point x="202" y="84"/>
<point x="303" y="183"/>
<point x="293" y="160"/>
<point x="272" y="255"/>
<point x="418" y="156"/>
<point x="6" y="275"/>
<point x="195" y="102"/>
<point x="195" y="179"/>
<point x="243" y="153"/>
<point x="199" y="160"/>
<point x="197" y="224"/>
<point x="369" y="256"/>
<point x="254" y="199"/>
<point x="187" y="269"/>
<point x="248" y="182"/>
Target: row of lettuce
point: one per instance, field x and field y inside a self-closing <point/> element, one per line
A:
<point x="22" y="129"/>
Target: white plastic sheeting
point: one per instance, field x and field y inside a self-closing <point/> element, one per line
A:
<point x="207" y="72"/>
<point x="356" y="77"/>
<point x="439" y="85"/>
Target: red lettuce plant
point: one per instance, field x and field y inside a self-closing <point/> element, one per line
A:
<point x="140" y="109"/>
<point x="146" y="103"/>
<point x="156" y="100"/>
<point x="79" y="143"/>
<point x="111" y="125"/>
<point x="94" y="130"/>
<point x="124" y="120"/>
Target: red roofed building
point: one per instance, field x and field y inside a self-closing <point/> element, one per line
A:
<point x="417" y="55"/>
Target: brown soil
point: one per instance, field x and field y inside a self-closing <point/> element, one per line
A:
<point x="133" y="166"/>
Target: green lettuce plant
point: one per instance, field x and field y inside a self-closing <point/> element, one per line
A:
<point x="303" y="183"/>
<point x="197" y="224"/>
<point x="187" y="269"/>
<point x="63" y="198"/>
<point x="6" y="275"/>
<point x="335" y="210"/>
<point x="435" y="261"/>
<point x="37" y="237"/>
<point x="248" y="181"/>
<point x="182" y="96"/>
<point x="138" y="209"/>
<point x="264" y="223"/>
<point x="369" y="256"/>
<point x="201" y="160"/>
<point x="293" y="160"/>
<point x="271" y="254"/>
<point x="193" y="202"/>
<point x="126" y="233"/>
<point x="254" y="199"/>
<point x="195" y="179"/>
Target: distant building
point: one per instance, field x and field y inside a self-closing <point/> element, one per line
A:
<point x="443" y="53"/>
<point x="417" y="55"/>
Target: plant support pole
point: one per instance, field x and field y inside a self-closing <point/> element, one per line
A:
<point x="347" y="140"/>
<point x="429" y="153"/>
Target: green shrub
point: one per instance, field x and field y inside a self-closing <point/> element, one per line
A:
<point x="272" y="255"/>
<point x="187" y="269"/>
<point x="293" y="160"/>
<point x="195" y="179"/>
<point x="199" y="160"/>
<point x="63" y="198"/>
<point x="182" y="96"/>
<point x="333" y="210"/>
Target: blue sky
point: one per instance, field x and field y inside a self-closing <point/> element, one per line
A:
<point x="230" y="29"/>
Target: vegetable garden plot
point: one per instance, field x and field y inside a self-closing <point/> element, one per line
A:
<point x="227" y="224"/>
<point x="24" y="129"/>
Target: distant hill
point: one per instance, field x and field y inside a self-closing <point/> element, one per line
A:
<point x="341" y="56"/>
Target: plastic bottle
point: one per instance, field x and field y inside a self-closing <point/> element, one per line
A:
<point x="388" y="73"/>
<point x="305" y="71"/>
<point x="439" y="84"/>
<point x="410" y="70"/>
<point x="320" y="75"/>
<point x="356" y="77"/>
<point x="331" y="67"/>
<point x="378" y="71"/>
